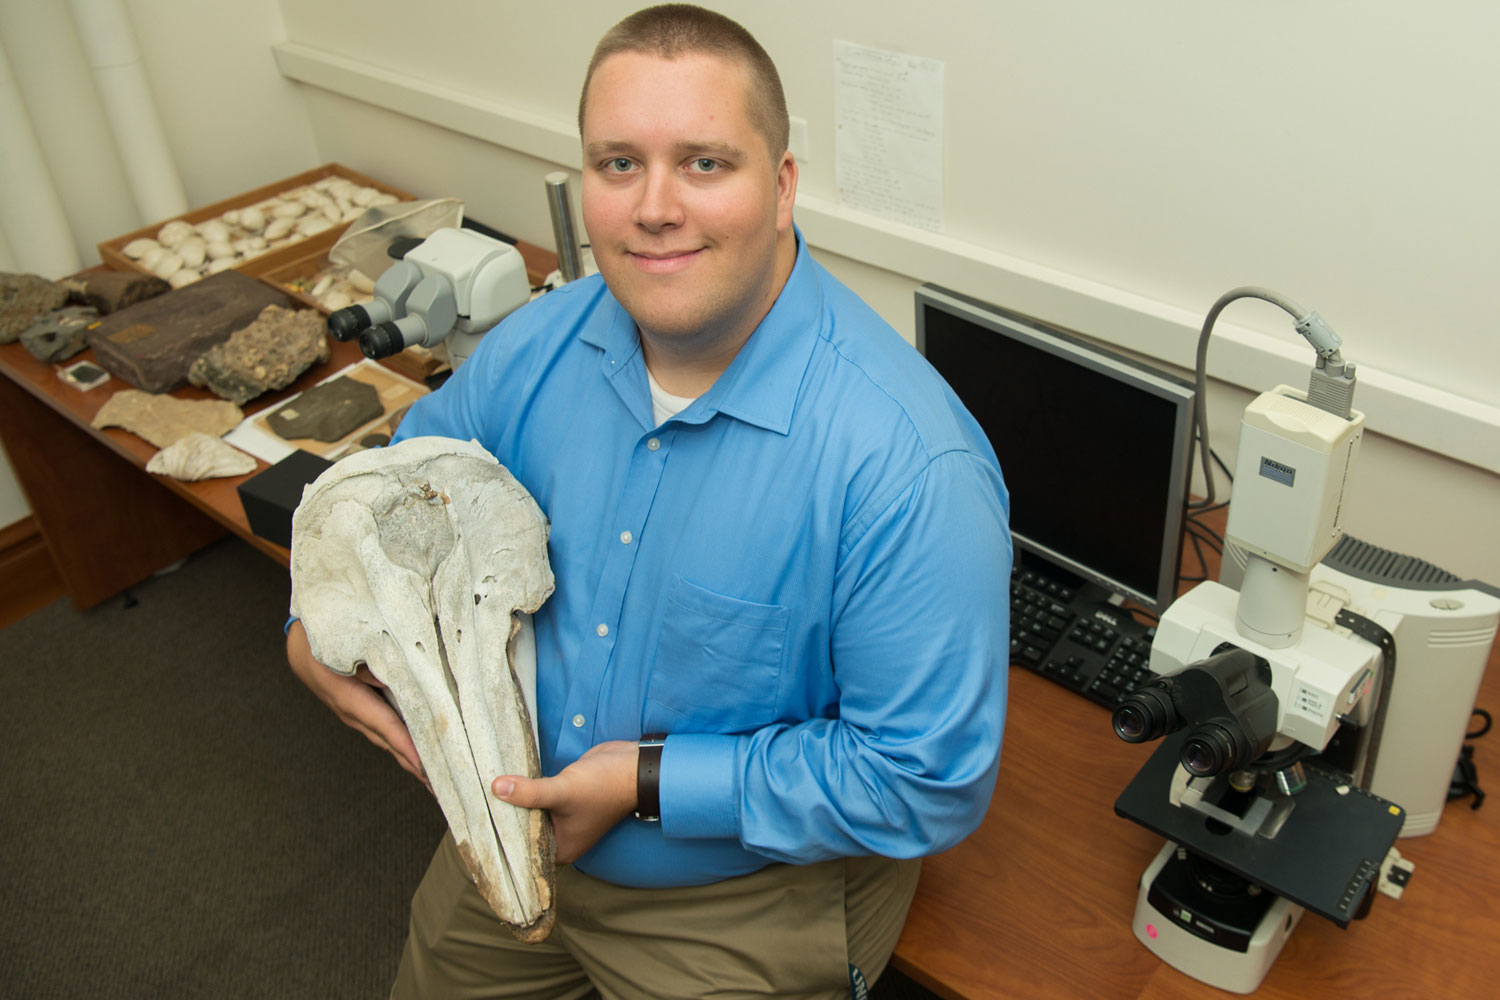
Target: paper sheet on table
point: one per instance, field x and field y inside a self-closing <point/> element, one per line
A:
<point x="396" y="392"/>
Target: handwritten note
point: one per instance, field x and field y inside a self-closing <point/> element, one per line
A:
<point x="888" y="133"/>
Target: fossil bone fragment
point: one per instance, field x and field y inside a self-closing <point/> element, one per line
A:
<point x="418" y="560"/>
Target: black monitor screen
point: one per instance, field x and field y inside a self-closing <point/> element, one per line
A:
<point x="1094" y="445"/>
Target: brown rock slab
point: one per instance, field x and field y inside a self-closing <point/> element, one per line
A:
<point x="163" y="419"/>
<point x="152" y="344"/>
<point x="329" y="411"/>
<point x="268" y="354"/>
<point x="111" y="291"/>
<point x="23" y="298"/>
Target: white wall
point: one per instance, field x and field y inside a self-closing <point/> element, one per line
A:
<point x="1112" y="168"/>
<point x="232" y="121"/>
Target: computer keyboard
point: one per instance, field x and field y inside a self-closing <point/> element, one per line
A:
<point x="1072" y="635"/>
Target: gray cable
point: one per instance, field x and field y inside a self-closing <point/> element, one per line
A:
<point x="1201" y="376"/>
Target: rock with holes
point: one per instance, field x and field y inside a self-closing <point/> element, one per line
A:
<point x="419" y="561"/>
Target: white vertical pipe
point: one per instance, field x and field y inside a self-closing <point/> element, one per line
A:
<point x="109" y="44"/>
<point x="31" y="214"/>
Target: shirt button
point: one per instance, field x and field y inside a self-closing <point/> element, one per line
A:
<point x="653" y="444"/>
<point x="625" y="537"/>
<point x="602" y="629"/>
<point x="578" y="721"/>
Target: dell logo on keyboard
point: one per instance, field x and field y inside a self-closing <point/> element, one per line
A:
<point x="1111" y="619"/>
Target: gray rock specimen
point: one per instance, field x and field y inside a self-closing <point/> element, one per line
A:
<point x="418" y="561"/>
<point x="24" y="297"/>
<point x="59" y="334"/>
<point x="329" y="411"/>
<point x="163" y="419"/>
<point x="152" y="344"/>
<point x="111" y="291"/>
<point x="268" y="354"/>
<point x="200" y="456"/>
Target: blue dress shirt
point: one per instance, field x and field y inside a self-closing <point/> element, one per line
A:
<point x="803" y="578"/>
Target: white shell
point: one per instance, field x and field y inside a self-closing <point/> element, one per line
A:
<point x="174" y="232"/>
<point x="192" y="251"/>
<point x="154" y="256"/>
<point x="214" y="231"/>
<point x="186" y="276"/>
<point x="313" y="224"/>
<point x="361" y="282"/>
<point x="289" y="210"/>
<point x="253" y="220"/>
<point x="168" y="265"/>
<point x="220" y="264"/>
<point x="200" y="456"/>
<point x="231" y="217"/>
<point x="277" y="228"/>
<point x="364" y="196"/>
<point x="138" y="248"/>
<point x="218" y="250"/>
<point x="335" y="300"/>
<point x="416" y="560"/>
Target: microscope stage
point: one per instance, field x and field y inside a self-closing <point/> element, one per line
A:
<point x="1325" y="857"/>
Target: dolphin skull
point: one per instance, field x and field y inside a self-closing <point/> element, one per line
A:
<point x="419" y="561"/>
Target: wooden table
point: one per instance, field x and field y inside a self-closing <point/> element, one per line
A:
<point x="106" y="522"/>
<point x="1038" y="902"/>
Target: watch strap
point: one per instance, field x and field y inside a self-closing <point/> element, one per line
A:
<point x="648" y="777"/>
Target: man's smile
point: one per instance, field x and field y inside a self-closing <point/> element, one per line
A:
<point x="663" y="261"/>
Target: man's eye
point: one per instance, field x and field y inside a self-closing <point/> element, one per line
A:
<point x="619" y="164"/>
<point x="705" y="165"/>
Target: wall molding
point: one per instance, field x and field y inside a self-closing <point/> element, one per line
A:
<point x="1455" y="426"/>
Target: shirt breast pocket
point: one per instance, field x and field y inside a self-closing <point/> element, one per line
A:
<point x="719" y="660"/>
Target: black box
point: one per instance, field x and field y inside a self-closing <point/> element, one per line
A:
<point x="270" y="497"/>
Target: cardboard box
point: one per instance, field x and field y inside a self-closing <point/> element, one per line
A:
<point x="111" y="252"/>
<point x="270" y="497"/>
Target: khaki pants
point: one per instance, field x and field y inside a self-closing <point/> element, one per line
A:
<point x="784" y="931"/>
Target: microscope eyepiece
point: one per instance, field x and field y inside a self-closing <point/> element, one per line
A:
<point x="1210" y="750"/>
<point x="1146" y="714"/>
<point x="348" y="323"/>
<point x="381" y="341"/>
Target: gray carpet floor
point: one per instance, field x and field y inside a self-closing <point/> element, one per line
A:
<point x="180" y="818"/>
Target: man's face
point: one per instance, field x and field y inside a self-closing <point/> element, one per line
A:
<point x="683" y="201"/>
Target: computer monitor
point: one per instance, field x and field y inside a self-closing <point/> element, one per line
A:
<point x="1095" y="446"/>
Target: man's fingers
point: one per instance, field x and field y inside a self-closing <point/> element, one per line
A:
<point x="530" y="793"/>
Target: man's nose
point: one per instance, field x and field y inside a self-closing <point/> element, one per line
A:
<point x="660" y="204"/>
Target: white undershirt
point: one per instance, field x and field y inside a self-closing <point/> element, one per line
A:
<point x="664" y="405"/>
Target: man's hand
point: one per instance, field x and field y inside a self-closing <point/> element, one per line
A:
<point x="356" y="700"/>
<point x="586" y="798"/>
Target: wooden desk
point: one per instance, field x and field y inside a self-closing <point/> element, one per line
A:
<point x="1038" y="902"/>
<point x="107" y="523"/>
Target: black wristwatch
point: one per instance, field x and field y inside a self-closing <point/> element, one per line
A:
<point x="648" y="777"/>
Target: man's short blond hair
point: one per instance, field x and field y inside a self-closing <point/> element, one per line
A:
<point x="677" y="29"/>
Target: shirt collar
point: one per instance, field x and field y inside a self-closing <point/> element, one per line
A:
<point x="760" y="385"/>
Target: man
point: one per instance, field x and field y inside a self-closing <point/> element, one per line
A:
<point x="778" y="539"/>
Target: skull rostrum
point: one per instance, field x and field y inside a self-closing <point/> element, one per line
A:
<point x="418" y="560"/>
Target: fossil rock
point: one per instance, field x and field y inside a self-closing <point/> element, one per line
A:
<point x="111" y="291"/>
<point x="163" y="419"/>
<point x="417" y="560"/>
<point x="268" y="354"/>
<point x="152" y="344"/>
<point x="200" y="456"/>
<point x="329" y="411"/>
<point x="60" y="334"/>
<point x="24" y="297"/>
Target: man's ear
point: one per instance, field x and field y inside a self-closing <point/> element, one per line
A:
<point x="786" y="190"/>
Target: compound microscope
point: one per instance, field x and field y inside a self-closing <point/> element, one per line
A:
<point x="452" y="286"/>
<point x="1273" y="701"/>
